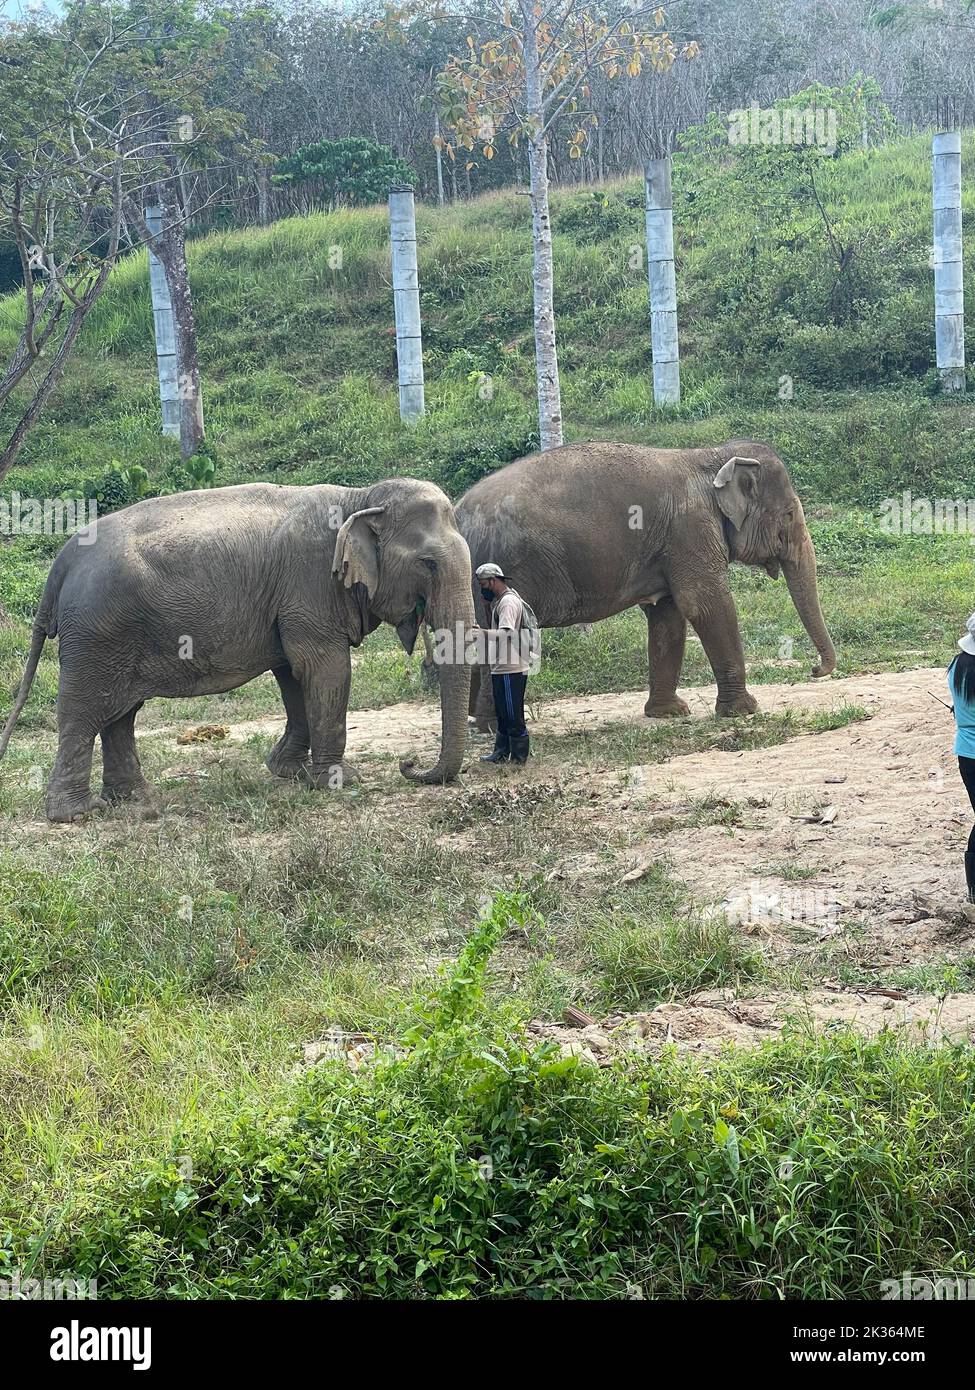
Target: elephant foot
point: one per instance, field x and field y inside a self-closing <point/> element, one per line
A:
<point x="61" y="808"/>
<point x="286" y="762"/>
<point x="741" y="704"/>
<point x="666" y="707"/>
<point x="329" y="777"/>
<point x="114" y="793"/>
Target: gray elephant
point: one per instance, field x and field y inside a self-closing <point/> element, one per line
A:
<point x="587" y="530"/>
<point x="198" y="593"/>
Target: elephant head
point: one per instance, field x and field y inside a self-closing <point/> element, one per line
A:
<point x="412" y="564"/>
<point x="765" y="526"/>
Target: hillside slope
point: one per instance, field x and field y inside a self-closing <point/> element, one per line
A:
<point x="298" y="357"/>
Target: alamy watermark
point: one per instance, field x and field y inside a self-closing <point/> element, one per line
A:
<point x="908" y="515"/>
<point x="461" y="646"/>
<point x="780" y="905"/>
<point x="810" y="125"/>
<point x="940" y="1288"/>
<point x="49" y="516"/>
<point x="15" y="1289"/>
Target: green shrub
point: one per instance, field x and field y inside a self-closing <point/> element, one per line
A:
<point x="474" y="1161"/>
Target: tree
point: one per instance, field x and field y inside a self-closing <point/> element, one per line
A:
<point x="347" y="171"/>
<point x="63" y="206"/>
<point x="530" y="63"/>
<point x="114" y="115"/>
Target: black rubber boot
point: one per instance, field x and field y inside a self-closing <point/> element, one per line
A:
<point x="519" y="749"/>
<point x="502" y="750"/>
<point x="970" y="875"/>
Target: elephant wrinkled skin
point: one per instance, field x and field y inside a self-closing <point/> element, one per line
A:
<point x="588" y="530"/>
<point x="198" y="593"/>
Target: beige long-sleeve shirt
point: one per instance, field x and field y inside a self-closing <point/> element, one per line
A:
<point x="504" y="648"/>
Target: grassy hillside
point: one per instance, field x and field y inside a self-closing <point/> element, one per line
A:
<point x="299" y="359"/>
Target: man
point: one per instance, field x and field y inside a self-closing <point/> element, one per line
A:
<point x="508" y="659"/>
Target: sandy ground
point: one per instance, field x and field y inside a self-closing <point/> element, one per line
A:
<point x="708" y="1021"/>
<point x="853" y="837"/>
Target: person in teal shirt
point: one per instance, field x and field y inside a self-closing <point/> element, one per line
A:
<point x="961" y="683"/>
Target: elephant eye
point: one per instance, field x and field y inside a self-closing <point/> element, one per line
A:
<point x="429" y="564"/>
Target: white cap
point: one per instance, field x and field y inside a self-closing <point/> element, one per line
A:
<point x="489" y="572"/>
<point x="967" y="643"/>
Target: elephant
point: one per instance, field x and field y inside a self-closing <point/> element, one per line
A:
<point x="199" y="592"/>
<point x="587" y="530"/>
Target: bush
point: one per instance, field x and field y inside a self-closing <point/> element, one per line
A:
<point x="474" y="1162"/>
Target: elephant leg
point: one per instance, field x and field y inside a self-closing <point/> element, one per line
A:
<point x="325" y="685"/>
<point x="290" y="754"/>
<point x="482" y="700"/>
<point x="666" y="634"/>
<point x="122" y="778"/>
<point x="69" y="796"/>
<point x="711" y="612"/>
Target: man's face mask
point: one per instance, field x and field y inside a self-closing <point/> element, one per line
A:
<point x="487" y="593"/>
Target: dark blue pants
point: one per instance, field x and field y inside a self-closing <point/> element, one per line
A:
<point x="509" y="704"/>
<point x="966" y="766"/>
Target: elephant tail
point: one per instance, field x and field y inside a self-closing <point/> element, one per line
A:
<point x="38" y="638"/>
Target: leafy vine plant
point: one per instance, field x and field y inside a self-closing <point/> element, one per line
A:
<point x="525" y="66"/>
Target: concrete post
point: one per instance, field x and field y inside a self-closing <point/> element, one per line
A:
<point x="165" y="326"/>
<point x="663" y="282"/>
<point x="949" y="299"/>
<point x="406" y="303"/>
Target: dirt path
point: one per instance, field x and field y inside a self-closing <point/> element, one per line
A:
<point x="399" y="728"/>
<point x="865" y="823"/>
<point x="889" y="846"/>
<point x="713" y="1018"/>
<point x="848" y="841"/>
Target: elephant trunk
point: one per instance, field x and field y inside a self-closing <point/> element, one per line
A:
<point x="456" y="618"/>
<point x="800" y="575"/>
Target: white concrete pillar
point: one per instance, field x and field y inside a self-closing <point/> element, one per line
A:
<point x="949" y="299"/>
<point x="663" y="282"/>
<point x="165" y="326"/>
<point x="406" y="303"/>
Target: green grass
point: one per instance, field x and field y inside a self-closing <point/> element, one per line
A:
<point x="155" y="971"/>
<point x="478" y="1163"/>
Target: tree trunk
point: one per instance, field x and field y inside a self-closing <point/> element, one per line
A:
<point x="55" y="372"/>
<point x="263" y="196"/>
<point x="172" y="253"/>
<point x="439" y="152"/>
<point x="600" y="167"/>
<point x="546" y="356"/>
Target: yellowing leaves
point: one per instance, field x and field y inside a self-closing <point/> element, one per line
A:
<point x="482" y="88"/>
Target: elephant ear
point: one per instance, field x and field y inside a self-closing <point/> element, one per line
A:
<point x="737" y="487"/>
<point x="356" y="559"/>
